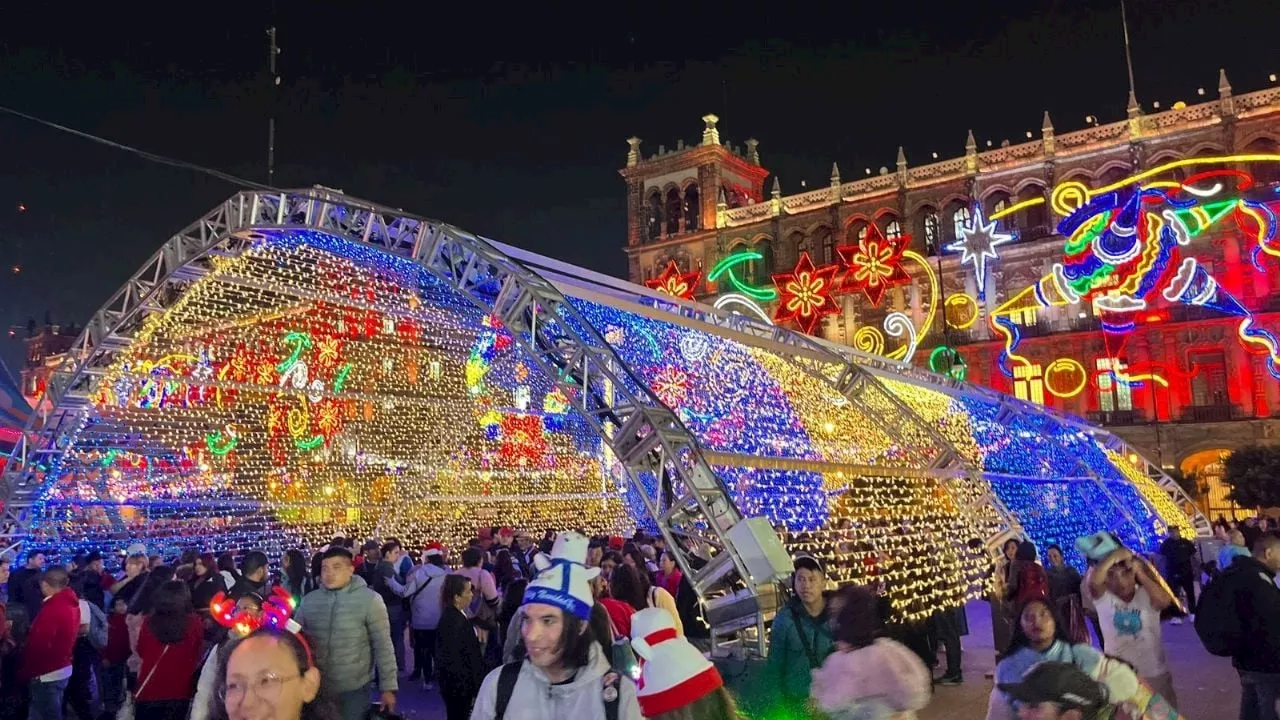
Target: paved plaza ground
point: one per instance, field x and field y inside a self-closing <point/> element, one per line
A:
<point x="1207" y="685"/>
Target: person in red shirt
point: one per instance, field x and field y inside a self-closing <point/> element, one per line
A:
<point x="668" y="576"/>
<point x="115" y="655"/>
<point x="46" y="662"/>
<point x="170" y="644"/>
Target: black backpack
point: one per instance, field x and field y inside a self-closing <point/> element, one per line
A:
<point x="1217" y="622"/>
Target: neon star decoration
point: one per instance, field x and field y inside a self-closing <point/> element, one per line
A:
<point x="875" y="264"/>
<point x="978" y="240"/>
<point x="675" y="283"/>
<point x="805" y="294"/>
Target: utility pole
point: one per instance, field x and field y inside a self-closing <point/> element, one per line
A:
<point x="273" y="52"/>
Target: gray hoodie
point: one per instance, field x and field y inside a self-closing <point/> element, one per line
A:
<point x="424" y="585"/>
<point x="349" y="632"/>
<point x="535" y="698"/>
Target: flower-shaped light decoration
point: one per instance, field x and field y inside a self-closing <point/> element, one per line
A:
<point x="874" y="264"/>
<point x="671" y="385"/>
<point x="804" y="294"/>
<point x="675" y="283"/>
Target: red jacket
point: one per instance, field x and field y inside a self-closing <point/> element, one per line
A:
<point x="117" y="650"/>
<point x="52" y="635"/>
<point x="174" y="668"/>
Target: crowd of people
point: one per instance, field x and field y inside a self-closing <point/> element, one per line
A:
<point x="568" y="626"/>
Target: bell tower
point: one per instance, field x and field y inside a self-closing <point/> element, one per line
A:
<point x="672" y="197"/>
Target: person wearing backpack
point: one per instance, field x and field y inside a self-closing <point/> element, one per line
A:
<point x="1239" y="617"/>
<point x="1027" y="580"/>
<point x="422" y="591"/>
<point x="801" y="638"/>
<point x="561" y="672"/>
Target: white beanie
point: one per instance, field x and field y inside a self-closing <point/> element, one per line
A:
<point x="564" y="580"/>
<point x="675" y="673"/>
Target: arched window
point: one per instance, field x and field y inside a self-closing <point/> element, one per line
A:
<point x="929" y="228"/>
<point x="958" y="213"/>
<point x="857" y="231"/>
<point x="673" y="211"/>
<point x="798" y="243"/>
<point x="761" y="271"/>
<point x="824" y="246"/>
<point x="1034" y="219"/>
<point x="893" y="230"/>
<point x="1113" y="176"/>
<point x="653" y="224"/>
<point x="1264" y="173"/>
<point x="692" y="208"/>
<point x="997" y="202"/>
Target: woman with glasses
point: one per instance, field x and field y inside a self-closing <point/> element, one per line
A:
<point x="269" y="675"/>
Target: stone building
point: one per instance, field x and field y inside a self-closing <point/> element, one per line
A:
<point x="697" y="205"/>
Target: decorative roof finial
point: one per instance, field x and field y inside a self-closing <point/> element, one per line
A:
<point x="633" y="155"/>
<point x="710" y="135"/>
<point x="777" y="188"/>
<point x="1047" y="125"/>
<point x="835" y="174"/>
<point x="970" y="145"/>
<point x="753" y="152"/>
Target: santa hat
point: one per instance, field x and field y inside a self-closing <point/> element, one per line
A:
<point x="675" y="673"/>
<point x="563" y="579"/>
<point x="616" y="543"/>
<point x="505" y="532"/>
<point x="434" y="548"/>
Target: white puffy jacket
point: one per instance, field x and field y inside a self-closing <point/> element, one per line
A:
<point x="535" y="698"/>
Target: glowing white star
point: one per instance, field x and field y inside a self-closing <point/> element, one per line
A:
<point x="978" y="241"/>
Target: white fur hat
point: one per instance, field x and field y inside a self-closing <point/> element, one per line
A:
<point x="675" y="673"/>
<point x="564" y="580"/>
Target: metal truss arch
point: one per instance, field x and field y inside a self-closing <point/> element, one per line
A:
<point x="644" y="435"/>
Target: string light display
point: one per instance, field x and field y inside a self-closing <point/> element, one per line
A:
<point x="310" y="386"/>
<point x="1127" y="252"/>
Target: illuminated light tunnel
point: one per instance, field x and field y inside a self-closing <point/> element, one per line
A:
<point x="299" y="365"/>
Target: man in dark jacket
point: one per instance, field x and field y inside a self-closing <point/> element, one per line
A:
<point x="253" y="577"/>
<point x="24" y="583"/>
<point x="397" y="615"/>
<point x="347" y="624"/>
<point x="1249" y="585"/>
<point x="1179" y="553"/>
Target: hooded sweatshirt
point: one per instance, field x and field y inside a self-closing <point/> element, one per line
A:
<point x="52" y="636"/>
<point x="350" y="632"/>
<point x="424" y="585"/>
<point x="536" y="698"/>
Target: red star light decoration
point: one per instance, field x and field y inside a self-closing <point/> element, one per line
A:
<point x="804" y="294"/>
<point x="874" y="264"/>
<point x="675" y="283"/>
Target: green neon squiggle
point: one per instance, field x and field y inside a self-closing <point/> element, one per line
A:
<point x="725" y="267"/>
<point x="315" y="442"/>
<point x="300" y="341"/>
<point x="340" y="379"/>
<point x="219" y="446"/>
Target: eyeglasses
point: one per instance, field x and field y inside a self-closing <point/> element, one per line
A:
<point x="266" y="686"/>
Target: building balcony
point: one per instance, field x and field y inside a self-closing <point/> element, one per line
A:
<point x="1210" y="413"/>
<point x="1118" y="417"/>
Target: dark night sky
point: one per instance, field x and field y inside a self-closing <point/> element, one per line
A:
<point x="411" y="110"/>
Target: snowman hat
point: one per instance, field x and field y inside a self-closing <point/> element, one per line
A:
<point x="675" y="673"/>
<point x="563" y="579"/>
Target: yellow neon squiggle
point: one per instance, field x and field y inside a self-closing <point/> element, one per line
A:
<point x="1008" y="344"/>
<point x="1264" y="341"/>
<point x="1073" y="190"/>
<point x="1015" y="208"/>
<point x="868" y="339"/>
<point x="900" y="353"/>
<point x="1061" y="365"/>
<point x="966" y="300"/>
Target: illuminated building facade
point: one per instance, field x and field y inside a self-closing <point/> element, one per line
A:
<point x="46" y="347"/>
<point x="1125" y="273"/>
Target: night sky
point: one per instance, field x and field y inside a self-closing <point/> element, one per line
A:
<point x="412" y="110"/>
